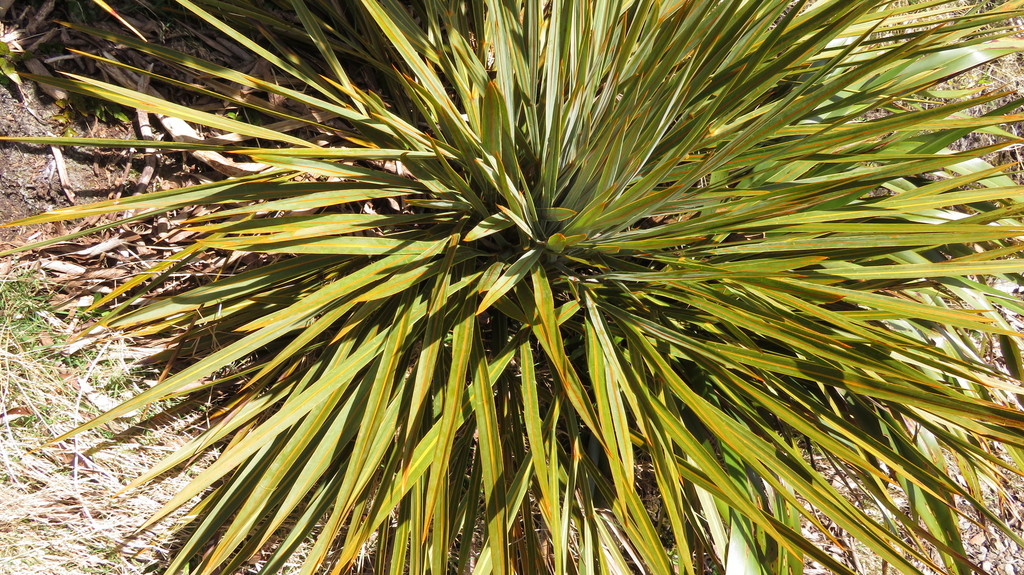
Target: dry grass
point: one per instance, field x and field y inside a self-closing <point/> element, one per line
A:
<point x="59" y="508"/>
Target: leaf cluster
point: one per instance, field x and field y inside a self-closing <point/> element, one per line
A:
<point x="536" y="247"/>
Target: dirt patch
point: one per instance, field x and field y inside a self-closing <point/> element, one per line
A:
<point x="34" y="179"/>
<point x="29" y="183"/>
<point x="30" y="175"/>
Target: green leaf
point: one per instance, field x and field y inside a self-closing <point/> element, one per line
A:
<point x="494" y="290"/>
<point x="569" y="287"/>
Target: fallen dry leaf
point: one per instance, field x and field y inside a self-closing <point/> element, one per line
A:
<point x="15" y="412"/>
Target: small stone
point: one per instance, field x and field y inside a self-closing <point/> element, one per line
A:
<point x="978" y="539"/>
<point x="987" y="566"/>
<point x="999" y="545"/>
<point x="1009" y="569"/>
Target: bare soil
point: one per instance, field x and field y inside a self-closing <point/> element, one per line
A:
<point x="38" y="178"/>
<point x="29" y="182"/>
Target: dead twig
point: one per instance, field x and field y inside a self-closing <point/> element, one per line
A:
<point x="37" y="68"/>
<point x="62" y="173"/>
<point x="40" y="17"/>
<point x="50" y="35"/>
<point x="181" y="131"/>
<point x="5" y="5"/>
<point x="145" y="130"/>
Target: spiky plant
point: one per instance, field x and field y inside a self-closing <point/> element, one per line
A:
<point x="546" y="258"/>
